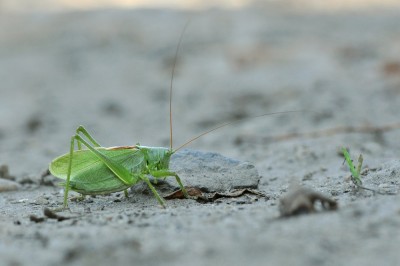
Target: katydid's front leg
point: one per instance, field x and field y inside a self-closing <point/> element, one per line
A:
<point x="165" y="173"/>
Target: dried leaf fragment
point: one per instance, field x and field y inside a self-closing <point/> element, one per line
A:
<point x="52" y="215"/>
<point x="48" y="214"/>
<point x="178" y="194"/>
<point x="234" y="194"/>
<point x="200" y="196"/>
<point x="36" y="219"/>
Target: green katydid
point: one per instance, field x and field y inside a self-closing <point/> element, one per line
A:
<point x="97" y="170"/>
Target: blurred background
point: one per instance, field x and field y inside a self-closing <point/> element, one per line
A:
<point x="46" y="5"/>
<point x="107" y="65"/>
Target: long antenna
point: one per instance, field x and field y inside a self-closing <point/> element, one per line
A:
<point x="172" y="80"/>
<point x="237" y="121"/>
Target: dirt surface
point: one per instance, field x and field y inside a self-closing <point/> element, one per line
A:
<point x="109" y="70"/>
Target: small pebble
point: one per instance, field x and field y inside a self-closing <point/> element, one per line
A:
<point x="8" y="185"/>
<point x="41" y="201"/>
<point x="384" y="185"/>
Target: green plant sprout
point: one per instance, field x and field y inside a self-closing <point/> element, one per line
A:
<point x="355" y="172"/>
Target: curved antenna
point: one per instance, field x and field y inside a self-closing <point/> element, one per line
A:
<point x="237" y="121"/>
<point x="172" y="80"/>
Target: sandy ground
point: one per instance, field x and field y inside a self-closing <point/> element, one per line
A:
<point x="110" y="70"/>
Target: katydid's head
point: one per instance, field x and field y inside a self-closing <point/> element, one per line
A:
<point x="158" y="158"/>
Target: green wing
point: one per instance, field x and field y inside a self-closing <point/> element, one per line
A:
<point x="89" y="175"/>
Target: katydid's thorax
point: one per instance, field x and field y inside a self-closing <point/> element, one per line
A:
<point x="157" y="158"/>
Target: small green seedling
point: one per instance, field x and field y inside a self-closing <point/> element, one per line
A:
<point x="97" y="170"/>
<point x="355" y="172"/>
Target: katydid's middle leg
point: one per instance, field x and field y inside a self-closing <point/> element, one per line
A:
<point x="146" y="179"/>
<point x="165" y="173"/>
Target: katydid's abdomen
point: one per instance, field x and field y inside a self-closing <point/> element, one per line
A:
<point x="90" y="176"/>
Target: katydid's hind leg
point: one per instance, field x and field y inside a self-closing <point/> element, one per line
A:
<point x="160" y="200"/>
<point x="126" y="193"/>
<point x="165" y="173"/>
<point x="83" y="131"/>
<point x="78" y="139"/>
<point x="121" y="173"/>
<point x="71" y="153"/>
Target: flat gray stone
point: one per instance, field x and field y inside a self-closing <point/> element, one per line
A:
<point x="8" y="185"/>
<point x="212" y="172"/>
